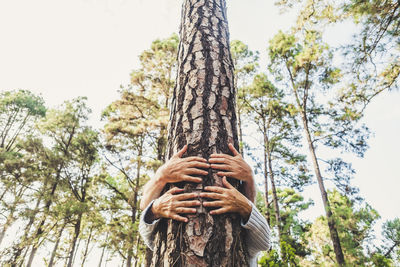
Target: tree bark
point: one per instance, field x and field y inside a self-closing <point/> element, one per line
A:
<point x="331" y="223"/>
<point x="203" y="117"/>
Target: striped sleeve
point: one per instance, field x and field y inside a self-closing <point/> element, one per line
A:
<point x="258" y="232"/>
<point x="147" y="229"/>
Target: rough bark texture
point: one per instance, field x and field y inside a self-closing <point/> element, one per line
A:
<point x="202" y="116"/>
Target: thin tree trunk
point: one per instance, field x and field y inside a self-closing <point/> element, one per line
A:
<point x="240" y="133"/>
<point x="267" y="214"/>
<point x="87" y="247"/>
<point x="203" y="116"/>
<point x="275" y="196"/>
<point x="39" y="230"/>
<point x="18" y="248"/>
<point x="102" y="253"/>
<point x="10" y="218"/>
<point x="331" y="223"/>
<point x="77" y="230"/>
<point x="53" y="254"/>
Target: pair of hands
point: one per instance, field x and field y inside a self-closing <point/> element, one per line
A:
<point x="226" y="199"/>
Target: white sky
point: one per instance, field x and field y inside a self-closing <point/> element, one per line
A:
<point x="64" y="49"/>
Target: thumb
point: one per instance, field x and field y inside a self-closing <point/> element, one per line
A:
<point x="182" y="151"/>
<point x="233" y="149"/>
<point x="226" y="183"/>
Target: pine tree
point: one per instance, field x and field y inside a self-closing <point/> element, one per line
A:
<point x="202" y="116"/>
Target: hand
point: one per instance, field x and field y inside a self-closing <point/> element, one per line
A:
<point x="232" y="166"/>
<point x="171" y="204"/>
<point x="178" y="169"/>
<point x="227" y="199"/>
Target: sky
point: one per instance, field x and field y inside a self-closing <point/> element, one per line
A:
<point x="64" y="49"/>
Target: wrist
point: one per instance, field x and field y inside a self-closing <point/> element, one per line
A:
<point x="246" y="209"/>
<point x="160" y="177"/>
<point x="154" y="212"/>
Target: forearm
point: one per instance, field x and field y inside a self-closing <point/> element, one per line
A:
<point x="152" y="190"/>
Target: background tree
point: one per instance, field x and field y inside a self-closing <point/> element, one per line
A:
<point x="276" y="122"/>
<point x="354" y="224"/>
<point x="305" y="66"/>
<point x="245" y="62"/>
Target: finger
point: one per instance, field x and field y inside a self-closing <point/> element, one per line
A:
<point x="226" y="183"/>
<point x="187" y="203"/>
<point x="219" y="211"/>
<point x="224" y="167"/>
<point x="182" y="151"/>
<point x="211" y="195"/>
<point x="195" y="159"/>
<point x="186" y="196"/>
<point x="220" y="156"/>
<point x="218" y="160"/>
<point x="213" y="204"/>
<point x="233" y="149"/>
<point x="175" y="190"/>
<point x="217" y="189"/>
<point x="185" y="210"/>
<point x="227" y="174"/>
<point x="197" y="164"/>
<point x="192" y="179"/>
<point x="196" y="171"/>
<point x="177" y="217"/>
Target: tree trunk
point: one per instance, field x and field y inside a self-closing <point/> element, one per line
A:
<point x="10" y="218"/>
<point x="202" y="116"/>
<point x="102" y="253"/>
<point x="267" y="214"/>
<point x="148" y="257"/>
<point x="274" y="194"/>
<point x="87" y="247"/>
<point x="53" y="254"/>
<point x="331" y="223"/>
<point x="77" y="230"/>
<point x="40" y="230"/>
<point x="241" y="150"/>
<point x="18" y="248"/>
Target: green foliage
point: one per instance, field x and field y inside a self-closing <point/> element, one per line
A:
<point x="354" y="224"/>
<point x="272" y="258"/>
<point x="19" y="109"/>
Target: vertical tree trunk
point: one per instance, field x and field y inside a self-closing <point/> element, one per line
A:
<point x="85" y="253"/>
<point x="331" y="223"/>
<point x="77" y="230"/>
<point x="53" y="254"/>
<point x="102" y="253"/>
<point x="240" y="133"/>
<point x="202" y="116"/>
<point x="40" y="229"/>
<point x="267" y="214"/>
<point x="274" y="194"/>
<point x="10" y="218"/>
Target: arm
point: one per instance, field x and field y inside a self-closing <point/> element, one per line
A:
<point x="235" y="167"/>
<point x="258" y="237"/>
<point x="177" y="169"/>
